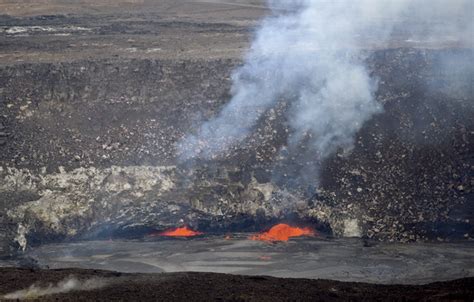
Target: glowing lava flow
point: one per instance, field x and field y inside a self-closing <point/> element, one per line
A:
<point x="181" y="232"/>
<point x="282" y="232"/>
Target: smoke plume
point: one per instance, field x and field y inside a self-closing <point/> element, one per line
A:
<point x="311" y="53"/>
<point x="64" y="286"/>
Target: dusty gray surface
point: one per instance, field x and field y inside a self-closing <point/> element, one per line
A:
<point x="59" y="31"/>
<point x="340" y="259"/>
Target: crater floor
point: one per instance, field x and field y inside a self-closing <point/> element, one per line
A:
<point x="337" y="259"/>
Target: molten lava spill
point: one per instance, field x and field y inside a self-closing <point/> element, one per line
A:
<point x="282" y="232"/>
<point x="181" y="232"/>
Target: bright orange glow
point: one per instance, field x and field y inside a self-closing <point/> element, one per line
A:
<point x="181" y="232"/>
<point x="282" y="232"/>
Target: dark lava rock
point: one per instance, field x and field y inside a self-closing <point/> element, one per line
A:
<point x="222" y="287"/>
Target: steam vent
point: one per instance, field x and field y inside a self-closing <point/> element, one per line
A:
<point x="251" y="137"/>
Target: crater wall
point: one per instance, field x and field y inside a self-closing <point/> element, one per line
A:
<point x="93" y="99"/>
<point x="88" y="148"/>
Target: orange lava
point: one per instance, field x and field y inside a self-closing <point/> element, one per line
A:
<point x="282" y="232"/>
<point x="181" y="232"/>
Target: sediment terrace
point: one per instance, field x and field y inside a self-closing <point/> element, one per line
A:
<point x="92" y="105"/>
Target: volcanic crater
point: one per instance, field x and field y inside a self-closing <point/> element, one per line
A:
<point x="95" y="98"/>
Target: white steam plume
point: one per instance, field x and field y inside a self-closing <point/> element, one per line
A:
<point x="64" y="286"/>
<point x="309" y="53"/>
